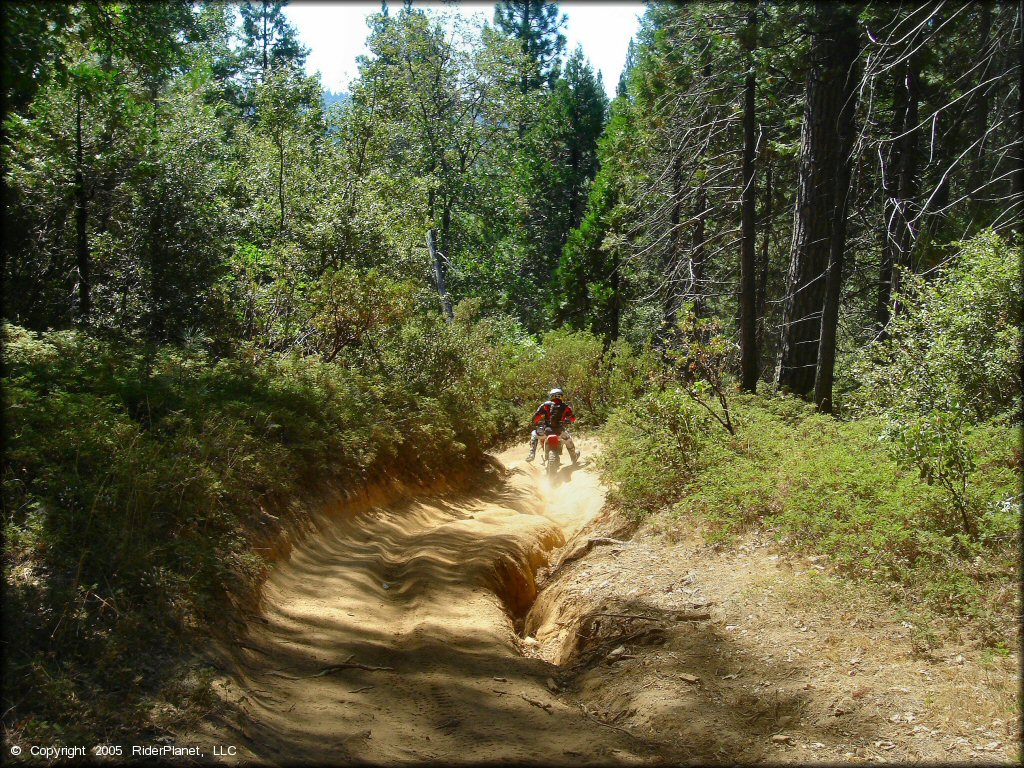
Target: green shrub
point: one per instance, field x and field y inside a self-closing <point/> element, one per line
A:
<point x="595" y="378"/>
<point x="139" y="481"/>
<point x="955" y="344"/>
<point x="654" y="447"/>
<point x="827" y="487"/>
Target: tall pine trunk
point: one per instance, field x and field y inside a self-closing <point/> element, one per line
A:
<point x="81" y="219"/>
<point x="748" y="233"/>
<point x="698" y="253"/>
<point x="847" y="44"/>
<point x="814" y="213"/>
<point x="280" y="179"/>
<point x="766" y="234"/>
<point x="698" y="256"/>
<point x="674" y="251"/>
<point x="904" y="216"/>
<point x="615" y="313"/>
<point x="891" y="193"/>
<point x="1018" y="171"/>
<point x="266" y="40"/>
<point x="979" y="110"/>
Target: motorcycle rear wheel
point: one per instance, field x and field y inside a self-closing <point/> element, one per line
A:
<point x="552" y="463"/>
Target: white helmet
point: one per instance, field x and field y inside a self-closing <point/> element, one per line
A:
<point x="556" y="392"/>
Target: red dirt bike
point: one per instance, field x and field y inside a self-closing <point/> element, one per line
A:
<point x="551" y="450"/>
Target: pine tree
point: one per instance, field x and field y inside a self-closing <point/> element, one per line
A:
<point x="268" y="40"/>
<point x="822" y="188"/>
<point x="537" y="26"/>
<point x="558" y="163"/>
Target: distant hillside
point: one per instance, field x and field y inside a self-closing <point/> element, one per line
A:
<point x="331" y="98"/>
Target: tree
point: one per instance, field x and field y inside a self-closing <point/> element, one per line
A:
<point x="848" y="44"/>
<point x="441" y="108"/>
<point x="748" y="236"/>
<point x="288" y="105"/>
<point x="79" y="159"/>
<point x="267" y="41"/>
<point x="588" y="278"/>
<point x="818" y="213"/>
<point x="1018" y="171"/>
<point x="557" y="163"/>
<point x="537" y="26"/>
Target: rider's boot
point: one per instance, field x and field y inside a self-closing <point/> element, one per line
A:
<point x="532" y="454"/>
<point x="574" y="455"/>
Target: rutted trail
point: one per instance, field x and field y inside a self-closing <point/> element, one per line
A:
<point x="389" y="637"/>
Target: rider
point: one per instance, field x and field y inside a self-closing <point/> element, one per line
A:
<point x="553" y="414"/>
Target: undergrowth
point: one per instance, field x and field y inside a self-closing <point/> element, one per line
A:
<point x="824" y="486"/>
<point x="143" y="485"/>
<point x="139" y="482"/>
<point x="916" y="487"/>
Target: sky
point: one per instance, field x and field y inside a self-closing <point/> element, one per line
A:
<point x="336" y="33"/>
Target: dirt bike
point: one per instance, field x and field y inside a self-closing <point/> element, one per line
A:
<point x="551" y="450"/>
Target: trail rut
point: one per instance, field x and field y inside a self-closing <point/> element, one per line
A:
<point x="389" y="637"/>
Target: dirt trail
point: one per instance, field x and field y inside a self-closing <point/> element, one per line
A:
<point x="389" y="637"/>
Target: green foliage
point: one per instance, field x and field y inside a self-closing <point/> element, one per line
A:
<point x="595" y="378"/>
<point x="936" y="444"/>
<point x="699" y="360"/>
<point x="349" y="309"/>
<point x="950" y="361"/>
<point x="268" y="40"/>
<point x="139" y="482"/>
<point x="830" y="488"/>
<point x="262" y="320"/>
<point x="536" y="26"/>
<point x="556" y="163"/>
<point x="653" y="448"/>
<point x="955" y="344"/>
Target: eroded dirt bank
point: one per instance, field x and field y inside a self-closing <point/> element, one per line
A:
<point x="750" y="654"/>
<point x="414" y="633"/>
<point x="390" y="637"/>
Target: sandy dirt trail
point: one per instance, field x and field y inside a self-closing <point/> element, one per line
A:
<point x="389" y="636"/>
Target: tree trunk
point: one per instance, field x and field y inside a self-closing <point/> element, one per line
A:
<point x="766" y="233"/>
<point x="748" y="233"/>
<point x="81" y="219"/>
<point x="979" y="110"/>
<point x="1018" y="171"/>
<point x="674" y="252"/>
<point x="615" y="308"/>
<point x="266" y="41"/>
<point x="890" y="191"/>
<point x="904" y="218"/>
<point x="814" y="212"/>
<point x="439" y="275"/>
<point x="847" y="45"/>
<point x="524" y="33"/>
<point x="698" y="254"/>
<point x="280" y="179"/>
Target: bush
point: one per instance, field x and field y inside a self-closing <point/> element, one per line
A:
<point x="654" y="448"/>
<point x="955" y="344"/>
<point x="595" y="378"/>
<point x="827" y="487"/>
<point x="936" y="444"/>
<point x="140" y="479"/>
